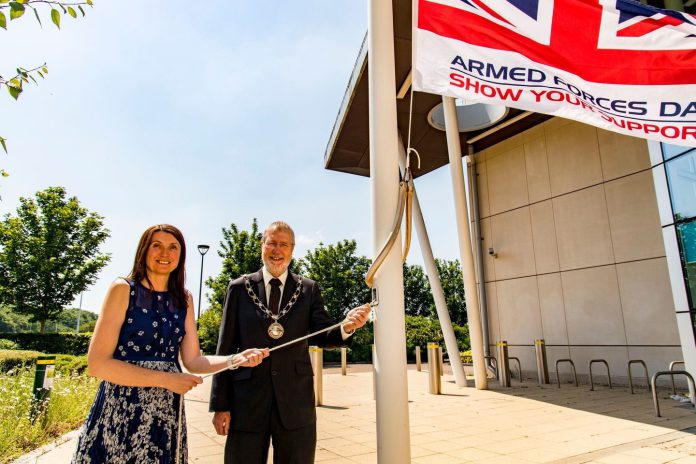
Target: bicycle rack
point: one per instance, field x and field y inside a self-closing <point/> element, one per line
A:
<point x="653" y="383"/>
<point x="630" y="377"/>
<point x="608" y="373"/>
<point x="494" y="364"/>
<point x="572" y="364"/>
<point x="671" y="368"/>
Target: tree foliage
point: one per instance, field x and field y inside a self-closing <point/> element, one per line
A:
<point x="240" y="251"/>
<point x="418" y="298"/>
<point x="16" y="9"/>
<point x="453" y="287"/>
<point x="340" y="274"/>
<point x="49" y="253"/>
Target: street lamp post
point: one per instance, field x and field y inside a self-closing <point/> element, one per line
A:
<point x="202" y="249"/>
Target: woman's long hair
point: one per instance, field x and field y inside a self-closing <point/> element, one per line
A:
<point x="177" y="279"/>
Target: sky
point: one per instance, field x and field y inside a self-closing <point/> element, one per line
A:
<point x="199" y="115"/>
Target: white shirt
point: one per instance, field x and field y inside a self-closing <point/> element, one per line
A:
<point x="267" y="276"/>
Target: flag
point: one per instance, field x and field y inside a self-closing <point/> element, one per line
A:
<point x="616" y="64"/>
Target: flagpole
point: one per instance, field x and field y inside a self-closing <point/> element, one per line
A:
<point x="391" y="384"/>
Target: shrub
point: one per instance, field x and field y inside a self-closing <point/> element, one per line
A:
<point x="71" y="365"/>
<point x="8" y="345"/>
<point x="208" y="329"/>
<point x="12" y="360"/>
<point x="66" y="343"/>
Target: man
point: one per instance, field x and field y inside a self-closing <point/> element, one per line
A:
<point x="274" y="399"/>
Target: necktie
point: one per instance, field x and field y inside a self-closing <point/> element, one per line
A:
<point x="274" y="300"/>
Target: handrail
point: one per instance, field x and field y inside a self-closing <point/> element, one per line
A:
<point x="630" y="377"/>
<point x="653" y="383"/>
<point x="519" y="365"/>
<point x="671" y="367"/>
<point x="608" y="373"/>
<point x="405" y="200"/>
<point x="572" y="364"/>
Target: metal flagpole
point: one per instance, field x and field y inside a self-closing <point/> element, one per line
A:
<point x="462" y="213"/>
<point x="393" y="440"/>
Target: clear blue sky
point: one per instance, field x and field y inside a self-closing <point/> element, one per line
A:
<point x="199" y="115"/>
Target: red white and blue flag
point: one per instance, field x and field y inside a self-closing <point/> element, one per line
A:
<point x="616" y="64"/>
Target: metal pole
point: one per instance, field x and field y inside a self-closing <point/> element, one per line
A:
<point x="79" y="313"/>
<point x="434" y="381"/>
<point x="393" y="438"/>
<point x="418" y="359"/>
<point x="316" y="355"/>
<point x="435" y="284"/>
<point x="462" y="215"/>
<point x="202" y="249"/>
<point x="344" y="356"/>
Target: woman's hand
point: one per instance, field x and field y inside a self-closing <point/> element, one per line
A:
<point x="181" y="383"/>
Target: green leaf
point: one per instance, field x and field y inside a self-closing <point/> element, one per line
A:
<point x="32" y="78"/>
<point x="3" y="20"/>
<point x="81" y="10"/>
<point x="14" y="91"/>
<point x="55" y="17"/>
<point x="16" y="10"/>
<point x="63" y="8"/>
<point x="89" y="2"/>
<point x="21" y="1"/>
<point x="4" y="173"/>
<point x="71" y="12"/>
<point x="4" y="146"/>
<point x="15" y="83"/>
<point x="40" y="74"/>
<point x="4" y="1"/>
<point x="36" y="13"/>
<point x="45" y="70"/>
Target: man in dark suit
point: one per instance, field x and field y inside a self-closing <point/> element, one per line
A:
<point x="275" y="399"/>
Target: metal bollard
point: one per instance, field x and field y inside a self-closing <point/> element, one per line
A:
<point x="344" y="360"/>
<point x="542" y="366"/>
<point x="418" y="359"/>
<point x="316" y="354"/>
<point x="504" y="366"/>
<point x="435" y="385"/>
<point x="43" y="384"/>
<point x="440" y="357"/>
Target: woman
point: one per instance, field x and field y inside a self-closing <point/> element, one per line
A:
<point x="146" y="323"/>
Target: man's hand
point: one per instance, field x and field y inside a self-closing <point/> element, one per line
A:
<point x="356" y="318"/>
<point x="221" y="422"/>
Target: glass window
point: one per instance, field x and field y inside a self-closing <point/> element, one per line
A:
<point x="669" y="151"/>
<point x="686" y="234"/>
<point x="681" y="176"/>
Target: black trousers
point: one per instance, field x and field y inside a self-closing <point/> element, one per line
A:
<point x="295" y="446"/>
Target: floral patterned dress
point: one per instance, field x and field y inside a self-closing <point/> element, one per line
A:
<point x="139" y="425"/>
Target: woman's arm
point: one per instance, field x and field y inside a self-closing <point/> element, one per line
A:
<point x="195" y="362"/>
<point x="100" y="361"/>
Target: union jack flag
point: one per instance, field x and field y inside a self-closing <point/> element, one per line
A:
<point x="599" y="40"/>
<point x="616" y="64"/>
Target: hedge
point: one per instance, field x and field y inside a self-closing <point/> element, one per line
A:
<point x="75" y="344"/>
<point x="13" y="359"/>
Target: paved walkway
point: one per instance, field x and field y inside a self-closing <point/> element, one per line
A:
<point x="523" y="424"/>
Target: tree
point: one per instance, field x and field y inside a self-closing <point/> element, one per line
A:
<point x="16" y="9"/>
<point x="340" y="274"/>
<point x="418" y="297"/>
<point x="240" y="251"/>
<point x="49" y="253"/>
<point x="453" y="287"/>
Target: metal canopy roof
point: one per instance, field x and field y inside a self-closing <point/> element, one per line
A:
<point x="348" y="149"/>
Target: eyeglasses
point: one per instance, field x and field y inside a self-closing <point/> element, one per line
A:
<point x="281" y="245"/>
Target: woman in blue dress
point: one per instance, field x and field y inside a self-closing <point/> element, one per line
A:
<point x="145" y="326"/>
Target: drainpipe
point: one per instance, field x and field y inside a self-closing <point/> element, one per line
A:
<point x="473" y="183"/>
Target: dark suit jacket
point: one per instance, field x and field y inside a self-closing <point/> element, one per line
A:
<point x="286" y="375"/>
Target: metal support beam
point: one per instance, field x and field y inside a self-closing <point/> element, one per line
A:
<point x="393" y="438"/>
<point x="435" y="284"/>
<point x="467" y="258"/>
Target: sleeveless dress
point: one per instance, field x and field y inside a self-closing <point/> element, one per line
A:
<point x="138" y="425"/>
